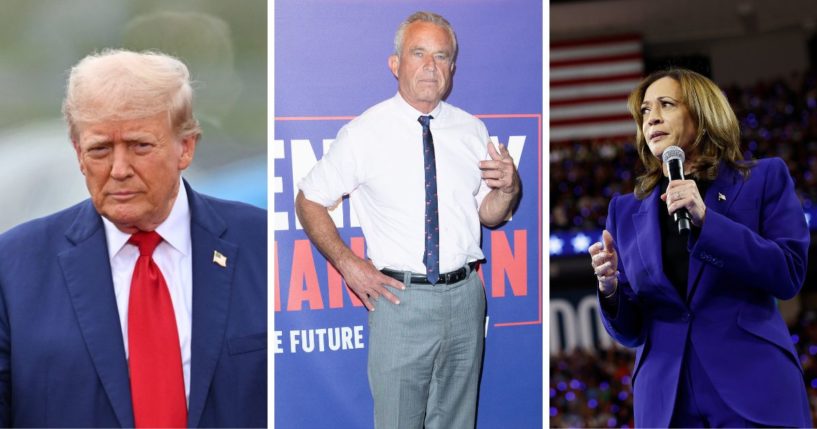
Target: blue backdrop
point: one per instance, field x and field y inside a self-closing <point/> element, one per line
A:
<point x="330" y="65"/>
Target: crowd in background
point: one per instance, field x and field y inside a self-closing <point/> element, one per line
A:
<point x="592" y="389"/>
<point x="777" y="118"/>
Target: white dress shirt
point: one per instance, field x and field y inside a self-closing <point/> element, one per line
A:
<point x="173" y="256"/>
<point x="377" y="159"/>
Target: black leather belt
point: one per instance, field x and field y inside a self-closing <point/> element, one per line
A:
<point x="446" y="278"/>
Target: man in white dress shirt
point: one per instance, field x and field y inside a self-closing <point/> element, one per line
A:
<point x="422" y="176"/>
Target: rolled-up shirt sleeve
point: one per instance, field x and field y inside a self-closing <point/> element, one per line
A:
<point x="336" y="174"/>
<point x="484" y="189"/>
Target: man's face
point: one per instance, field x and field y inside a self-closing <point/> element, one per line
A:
<point x="423" y="68"/>
<point x="132" y="169"/>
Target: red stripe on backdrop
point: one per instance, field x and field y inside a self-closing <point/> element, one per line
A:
<point x="588" y="100"/>
<point x="591" y="80"/>
<point x="590" y="120"/>
<point x="596" y="60"/>
<point x="610" y="138"/>
<point x="595" y="41"/>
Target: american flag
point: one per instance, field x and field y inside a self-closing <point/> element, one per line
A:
<point x="590" y="80"/>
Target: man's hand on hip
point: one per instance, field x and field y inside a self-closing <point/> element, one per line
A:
<point x="367" y="282"/>
<point x="360" y="274"/>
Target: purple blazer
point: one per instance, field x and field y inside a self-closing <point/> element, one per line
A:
<point x="751" y="250"/>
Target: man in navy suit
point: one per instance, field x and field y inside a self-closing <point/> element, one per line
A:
<point x="71" y="326"/>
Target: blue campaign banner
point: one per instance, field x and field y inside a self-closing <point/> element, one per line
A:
<point x="330" y="65"/>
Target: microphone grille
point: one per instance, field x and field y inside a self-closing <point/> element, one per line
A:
<point x="673" y="152"/>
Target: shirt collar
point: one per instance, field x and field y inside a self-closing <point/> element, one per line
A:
<point x="175" y="230"/>
<point x="406" y="109"/>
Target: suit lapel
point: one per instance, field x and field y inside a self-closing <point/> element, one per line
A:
<point x="648" y="239"/>
<point x="212" y="282"/>
<point x="90" y="285"/>
<point x="723" y="192"/>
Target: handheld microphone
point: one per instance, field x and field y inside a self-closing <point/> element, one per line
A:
<point x="674" y="160"/>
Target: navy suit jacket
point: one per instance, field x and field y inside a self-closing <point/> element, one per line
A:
<point x="751" y="249"/>
<point x="62" y="358"/>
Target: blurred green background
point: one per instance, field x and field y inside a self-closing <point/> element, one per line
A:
<point x="223" y="43"/>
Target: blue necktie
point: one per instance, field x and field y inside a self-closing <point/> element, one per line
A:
<point x="431" y="257"/>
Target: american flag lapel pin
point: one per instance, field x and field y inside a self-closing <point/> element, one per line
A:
<point x="219" y="259"/>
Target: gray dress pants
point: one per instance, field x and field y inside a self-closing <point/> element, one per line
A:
<point x="425" y="355"/>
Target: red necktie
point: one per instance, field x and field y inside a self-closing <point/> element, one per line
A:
<point x="155" y="360"/>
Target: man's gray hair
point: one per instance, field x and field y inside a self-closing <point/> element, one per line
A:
<point x="423" y="16"/>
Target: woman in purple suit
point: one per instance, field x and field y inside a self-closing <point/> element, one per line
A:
<point x="700" y="306"/>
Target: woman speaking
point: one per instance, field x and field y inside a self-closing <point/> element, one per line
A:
<point x="699" y="302"/>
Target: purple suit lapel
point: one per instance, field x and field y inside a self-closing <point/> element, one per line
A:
<point x="648" y="238"/>
<point x="723" y="192"/>
<point x="721" y="195"/>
